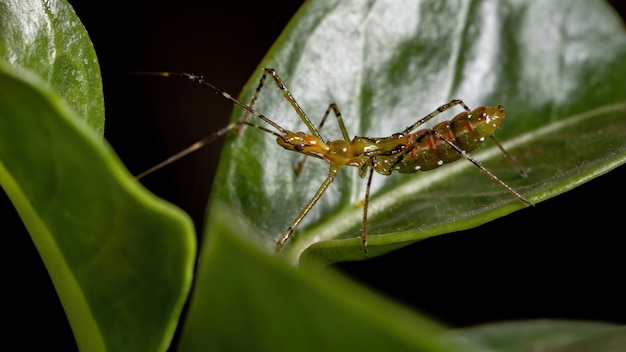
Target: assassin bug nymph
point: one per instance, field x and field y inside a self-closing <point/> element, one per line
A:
<point x="409" y="151"/>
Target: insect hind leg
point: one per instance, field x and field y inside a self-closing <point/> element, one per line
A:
<point x="252" y="102"/>
<point x="483" y="169"/>
<point x="439" y="110"/>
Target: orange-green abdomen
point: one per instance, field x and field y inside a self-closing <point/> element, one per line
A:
<point x="425" y="149"/>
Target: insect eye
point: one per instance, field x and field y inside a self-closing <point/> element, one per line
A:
<point x="299" y="147"/>
<point x="300" y="133"/>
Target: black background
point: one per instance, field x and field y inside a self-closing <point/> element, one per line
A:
<point x="562" y="259"/>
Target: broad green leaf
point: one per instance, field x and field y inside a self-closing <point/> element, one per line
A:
<point x="47" y="38"/>
<point x="246" y="300"/>
<point x="538" y="335"/>
<point x="121" y="259"/>
<point x="556" y="66"/>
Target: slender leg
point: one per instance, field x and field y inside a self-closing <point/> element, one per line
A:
<point x="342" y="126"/>
<point x="323" y="187"/>
<point x="283" y="88"/>
<point x="244" y="121"/>
<point x="250" y="107"/>
<point x="253" y="100"/>
<point x="332" y="107"/>
<point x="512" y="160"/>
<point x="365" y="206"/>
<point x="483" y="169"/>
<point x="439" y="110"/>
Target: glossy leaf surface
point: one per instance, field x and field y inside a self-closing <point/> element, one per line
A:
<point x="47" y="38"/>
<point x="556" y="66"/>
<point x="121" y="260"/>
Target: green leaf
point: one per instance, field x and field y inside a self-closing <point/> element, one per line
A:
<point x="556" y="66"/>
<point x="247" y="300"/>
<point x="47" y="38"/>
<point x="120" y="259"/>
<point x="540" y="335"/>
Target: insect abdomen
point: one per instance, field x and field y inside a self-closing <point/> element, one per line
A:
<point x="466" y="130"/>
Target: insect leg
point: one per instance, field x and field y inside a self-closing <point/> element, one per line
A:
<point x="212" y="137"/>
<point x="342" y="127"/>
<point x="323" y="187"/>
<point x="512" y="160"/>
<point x="253" y="100"/>
<point x="283" y="88"/>
<point x="365" y="206"/>
<point x="439" y="110"/>
<point x="482" y="168"/>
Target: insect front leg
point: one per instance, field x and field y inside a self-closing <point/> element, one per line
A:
<point x="292" y="101"/>
<point x="342" y="126"/>
<point x="253" y="100"/>
<point x="323" y="187"/>
<point x="212" y="137"/>
<point x="335" y="109"/>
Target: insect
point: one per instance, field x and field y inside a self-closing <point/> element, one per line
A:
<point x="408" y="151"/>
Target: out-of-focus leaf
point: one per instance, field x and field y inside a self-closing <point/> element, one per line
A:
<point x="120" y="258"/>
<point x="246" y="300"/>
<point x="613" y="340"/>
<point x="535" y="335"/>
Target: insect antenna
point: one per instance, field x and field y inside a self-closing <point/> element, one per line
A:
<point x="201" y="143"/>
<point x="215" y="135"/>
<point x="202" y="81"/>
